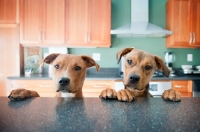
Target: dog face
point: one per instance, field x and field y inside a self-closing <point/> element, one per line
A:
<point x="69" y="71"/>
<point x="139" y="67"/>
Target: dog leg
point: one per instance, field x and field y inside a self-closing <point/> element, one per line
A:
<point x="20" y="94"/>
<point x="171" y="95"/>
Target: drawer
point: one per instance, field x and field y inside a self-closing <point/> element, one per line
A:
<point x="97" y="86"/>
<point x="45" y="88"/>
<point x="93" y="88"/>
<point x="89" y="94"/>
<point x="182" y="86"/>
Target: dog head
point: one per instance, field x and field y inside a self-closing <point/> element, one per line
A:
<point x="69" y="71"/>
<point x="139" y="67"/>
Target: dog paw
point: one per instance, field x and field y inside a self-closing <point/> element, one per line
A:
<point x="125" y="95"/>
<point x="171" y="95"/>
<point x="20" y="94"/>
<point x="108" y="94"/>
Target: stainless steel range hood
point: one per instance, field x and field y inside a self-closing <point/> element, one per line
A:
<point x="139" y="25"/>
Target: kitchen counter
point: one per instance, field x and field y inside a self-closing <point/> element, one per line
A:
<point x="103" y="77"/>
<point x="96" y="114"/>
<point x="104" y="74"/>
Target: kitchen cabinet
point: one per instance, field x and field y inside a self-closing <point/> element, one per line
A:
<point x="45" y="88"/>
<point x="184" y="87"/>
<point x="42" y="22"/>
<point x="10" y="54"/>
<point x="9" y="12"/>
<point x="93" y="88"/>
<point x="183" y="19"/>
<point x="88" y="23"/>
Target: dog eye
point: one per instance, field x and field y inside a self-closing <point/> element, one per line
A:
<point x="77" y="68"/>
<point x="57" y="66"/>
<point x="147" y="67"/>
<point x="129" y="62"/>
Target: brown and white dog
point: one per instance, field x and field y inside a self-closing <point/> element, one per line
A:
<point x="68" y="73"/>
<point x="139" y="67"/>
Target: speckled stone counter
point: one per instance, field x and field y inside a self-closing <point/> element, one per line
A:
<point x="101" y="77"/>
<point x="103" y="74"/>
<point x="95" y="114"/>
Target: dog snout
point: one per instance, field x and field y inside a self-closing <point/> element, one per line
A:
<point x="64" y="81"/>
<point x="134" y="78"/>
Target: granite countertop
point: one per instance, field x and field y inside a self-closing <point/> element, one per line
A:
<point x="96" y="114"/>
<point x="103" y="77"/>
<point x="111" y="74"/>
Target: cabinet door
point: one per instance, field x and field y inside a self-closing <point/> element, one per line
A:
<point x="53" y="31"/>
<point x="184" y="87"/>
<point x="77" y="22"/>
<point x="9" y="49"/>
<point x="8" y="11"/>
<point x="30" y="21"/>
<point x="196" y="22"/>
<point x="178" y="21"/>
<point x="99" y="23"/>
<point x="9" y="58"/>
<point x="93" y="88"/>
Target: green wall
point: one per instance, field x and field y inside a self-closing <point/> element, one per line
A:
<point x="121" y="15"/>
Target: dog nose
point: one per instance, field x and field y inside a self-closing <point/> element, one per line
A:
<point x="64" y="81"/>
<point x="134" y="78"/>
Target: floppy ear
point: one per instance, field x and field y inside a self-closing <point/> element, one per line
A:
<point x="161" y="66"/>
<point x="49" y="59"/>
<point x="90" y="62"/>
<point x="122" y="53"/>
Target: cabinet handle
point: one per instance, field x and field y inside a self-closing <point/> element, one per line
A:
<point x="44" y="86"/>
<point x="100" y="86"/>
<point x="40" y="36"/>
<point x="43" y="36"/>
<point x="19" y="86"/>
<point x="180" y="86"/>
<point x="190" y="38"/>
<point x="88" y="36"/>
<point x="194" y="37"/>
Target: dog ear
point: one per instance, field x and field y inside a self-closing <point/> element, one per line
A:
<point x="90" y="62"/>
<point x="49" y="59"/>
<point x="161" y="66"/>
<point x="122" y="53"/>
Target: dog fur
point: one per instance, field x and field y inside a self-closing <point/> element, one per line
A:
<point x="68" y="74"/>
<point x="139" y="67"/>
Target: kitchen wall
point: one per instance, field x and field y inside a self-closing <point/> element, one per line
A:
<point x="121" y="15"/>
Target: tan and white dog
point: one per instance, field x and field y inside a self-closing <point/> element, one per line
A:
<point x="68" y="73"/>
<point x="139" y="67"/>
